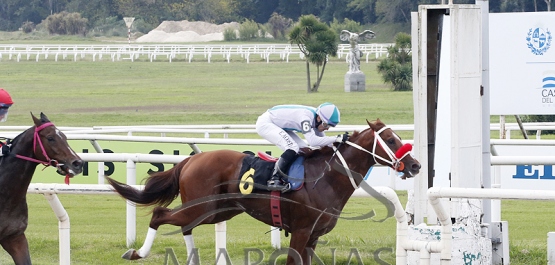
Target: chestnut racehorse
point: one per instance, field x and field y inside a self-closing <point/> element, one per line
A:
<point x="212" y="191"/>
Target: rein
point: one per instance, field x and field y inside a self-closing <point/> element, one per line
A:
<point x="36" y="138"/>
<point x="394" y="158"/>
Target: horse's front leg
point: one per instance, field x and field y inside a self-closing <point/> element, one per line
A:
<point x="297" y="248"/>
<point x="18" y="248"/>
<point x="310" y="249"/>
<point x="159" y="216"/>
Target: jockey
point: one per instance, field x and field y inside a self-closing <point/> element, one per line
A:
<point x="279" y="125"/>
<point x="5" y="103"/>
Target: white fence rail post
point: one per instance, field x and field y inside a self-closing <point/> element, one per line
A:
<point x="63" y="228"/>
<point x="131" y="229"/>
<point x="551" y="248"/>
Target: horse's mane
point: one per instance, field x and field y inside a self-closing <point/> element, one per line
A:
<point x="308" y="152"/>
<point x="43" y="120"/>
<point x="17" y="137"/>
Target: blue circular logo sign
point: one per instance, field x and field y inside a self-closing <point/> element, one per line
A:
<point x="538" y="40"/>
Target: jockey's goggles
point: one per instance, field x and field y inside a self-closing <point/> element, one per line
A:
<point x="326" y="125"/>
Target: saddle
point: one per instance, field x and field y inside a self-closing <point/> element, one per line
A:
<point x="257" y="170"/>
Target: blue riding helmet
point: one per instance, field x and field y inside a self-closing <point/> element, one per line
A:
<point x="329" y="113"/>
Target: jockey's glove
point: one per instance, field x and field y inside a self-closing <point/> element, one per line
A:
<point x="342" y="138"/>
<point x="5" y="150"/>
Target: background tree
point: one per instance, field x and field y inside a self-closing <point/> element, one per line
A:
<point x="539" y="118"/>
<point x="93" y="10"/>
<point x="396" y="69"/>
<point x="13" y="13"/>
<point x="364" y="10"/>
<point x="316" y="41"/>
<point x="278" y="25"/>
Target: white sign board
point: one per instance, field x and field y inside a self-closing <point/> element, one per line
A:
<point x="128" y="21"/>
<point x="522" y="63"/>
<point x="527" y="177"/>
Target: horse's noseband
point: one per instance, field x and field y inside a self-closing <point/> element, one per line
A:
<point x="394" y="157"/>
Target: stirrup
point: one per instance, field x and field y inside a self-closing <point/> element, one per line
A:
<point x="286" y="187"/>
<point x="275" y="184"/>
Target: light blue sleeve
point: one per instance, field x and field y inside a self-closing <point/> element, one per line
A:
<point x="315" y="140"/>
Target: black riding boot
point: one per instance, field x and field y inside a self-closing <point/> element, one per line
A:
<point x="282" y="165"/>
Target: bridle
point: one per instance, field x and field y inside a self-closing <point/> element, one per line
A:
<point x="394" y="157"/>
<point x="36" y="139"/>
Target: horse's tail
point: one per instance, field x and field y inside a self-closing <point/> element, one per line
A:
<point x="161" y="188"/>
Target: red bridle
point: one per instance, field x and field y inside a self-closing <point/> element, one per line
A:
<point x="36" y="138"/>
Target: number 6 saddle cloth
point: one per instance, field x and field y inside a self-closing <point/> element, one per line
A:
<point x="257" y="170"/>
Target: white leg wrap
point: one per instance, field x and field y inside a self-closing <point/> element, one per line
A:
<point x="147" y="245"/>
<point x="190" y="243"/>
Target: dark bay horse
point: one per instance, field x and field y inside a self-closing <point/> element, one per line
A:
<point x="211" y="190"/>
<point x="41" y="144"/>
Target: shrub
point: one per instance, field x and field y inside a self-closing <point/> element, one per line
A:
<point x="28" y="27"/>
<point x="396" y="69"/>
<point x="229" y="34"/>
<point x="141" y="25"/>
<point x="248" y="30"/>
<point x="262" y="31"/>
<point x="65" y="23"/>
<point x="347" y="24"/>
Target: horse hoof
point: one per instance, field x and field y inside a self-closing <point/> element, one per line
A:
<point x="130" y="255"/>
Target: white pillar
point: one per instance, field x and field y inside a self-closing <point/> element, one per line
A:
<point x="63" y="227"/>
<point x="220" y="228"/>
<point x="131" y="226"/>
<point x="551" y="248"/>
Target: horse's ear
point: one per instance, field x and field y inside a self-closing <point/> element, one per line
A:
<point x="35" y="119"/>
<point x="373" y="125"/>
<point x="39" y="122"/>
<point x="43" y="118"/>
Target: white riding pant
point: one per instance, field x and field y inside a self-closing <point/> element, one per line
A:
<point x="276" y="135"/>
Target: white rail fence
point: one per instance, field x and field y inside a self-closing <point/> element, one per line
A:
<point x="208" y="131"/>
<point x="170" y="52"/>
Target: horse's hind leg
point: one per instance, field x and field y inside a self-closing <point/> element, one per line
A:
<point x="161" y="216"/>
<point x="157" y="214"/>
<point x="18" y="248"/>
<point x="189" y="242"/>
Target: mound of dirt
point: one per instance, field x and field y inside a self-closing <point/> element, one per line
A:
<point x="185" y="31"/>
